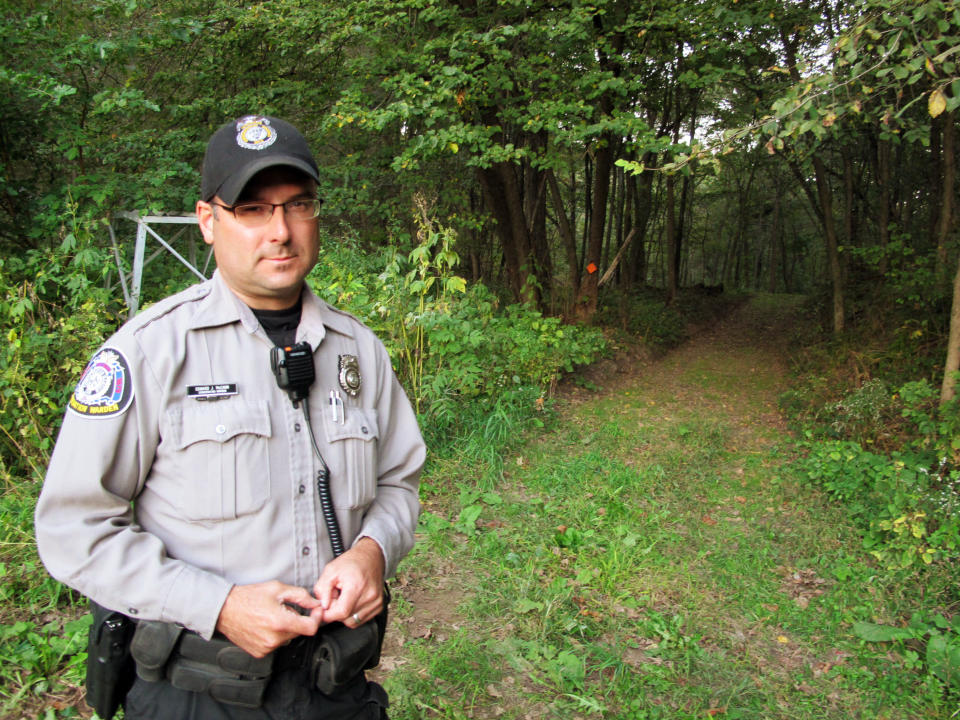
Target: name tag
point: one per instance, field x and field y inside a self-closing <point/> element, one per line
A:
<point x="211" y="392"/>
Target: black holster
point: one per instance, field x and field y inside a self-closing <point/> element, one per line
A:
<point x="343" y="652"/>
<point x="110" y="668"/>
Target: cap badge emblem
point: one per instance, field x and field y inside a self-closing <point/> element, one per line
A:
<point x="255" y="133"/>
<point x="349" y="374"/>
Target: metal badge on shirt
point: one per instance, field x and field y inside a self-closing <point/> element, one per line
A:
<point x="105" y="388"/>
<point x="349" y="374"/>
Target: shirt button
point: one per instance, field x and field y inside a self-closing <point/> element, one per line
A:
<point x="221" y="429"/>
<point x="296" y="427"/>
<point x="364" y="429"/>
<point x="306" y="551"/>
<point x="303" y="489"/>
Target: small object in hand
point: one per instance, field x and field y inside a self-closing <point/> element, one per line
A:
<point x="296" y="608"/>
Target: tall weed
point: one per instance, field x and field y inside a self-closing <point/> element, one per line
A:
<point x="451" y="343"/>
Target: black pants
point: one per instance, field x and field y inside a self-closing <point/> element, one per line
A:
<point x="288" y="697"/>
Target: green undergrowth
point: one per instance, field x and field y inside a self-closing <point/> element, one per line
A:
<point x="656" y="554"/>
<point x="580" y="518"/>
<point x="879" y="443"/>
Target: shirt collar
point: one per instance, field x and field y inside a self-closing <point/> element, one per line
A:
<point x="222" y="307"/>
<point x="317" y="317"/>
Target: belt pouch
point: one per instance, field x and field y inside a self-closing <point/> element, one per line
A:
<point x="342" y="654"/>
<point x="198" y="677"/>
<point x="152" y="645"/>
<point x="221" y="669"/>
<point x="224" y="654"/>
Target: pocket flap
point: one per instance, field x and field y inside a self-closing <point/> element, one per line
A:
<point x="358" y="424"/>
<point x="196" y="424"/>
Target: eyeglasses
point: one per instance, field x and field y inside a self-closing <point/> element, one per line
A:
<point x="257" y="214"/>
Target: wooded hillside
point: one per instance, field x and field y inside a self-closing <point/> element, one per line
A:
<point x="775" y="145"/>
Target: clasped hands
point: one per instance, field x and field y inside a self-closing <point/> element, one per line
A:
<point x="259" y="617"/>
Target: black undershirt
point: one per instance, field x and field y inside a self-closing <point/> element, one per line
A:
<point x="281" y="325"/>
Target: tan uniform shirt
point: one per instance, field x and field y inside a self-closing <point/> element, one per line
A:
<point x="156" y="502"/>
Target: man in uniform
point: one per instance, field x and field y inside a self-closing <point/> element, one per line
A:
<point x="184" y="484"/>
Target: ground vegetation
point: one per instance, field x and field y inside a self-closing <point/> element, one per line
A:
<point x="513" y="192"/>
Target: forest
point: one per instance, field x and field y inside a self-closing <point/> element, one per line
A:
<point x="513" y="191"/>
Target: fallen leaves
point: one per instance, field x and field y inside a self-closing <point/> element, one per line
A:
<point x="803" y="586"/>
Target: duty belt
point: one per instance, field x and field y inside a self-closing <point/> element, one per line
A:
<point x="164" y="651"/>
<point x="329" y="660"/>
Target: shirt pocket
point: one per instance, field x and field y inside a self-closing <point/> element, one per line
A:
<point x="224" y="459"/>
<point x="353" y="457"/>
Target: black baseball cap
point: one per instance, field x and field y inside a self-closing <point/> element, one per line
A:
<point x="243" y="147"/>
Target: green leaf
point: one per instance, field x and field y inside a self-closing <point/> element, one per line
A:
<point x="525" y="605"/>
<point x="871" y="632"/>
<point x="943" y="658"/>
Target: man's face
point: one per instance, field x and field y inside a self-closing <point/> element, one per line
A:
<point x="265" y="266"/>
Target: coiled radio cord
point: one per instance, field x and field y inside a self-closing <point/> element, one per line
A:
<point x="323" y="490"/>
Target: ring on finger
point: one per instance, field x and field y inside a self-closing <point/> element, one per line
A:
<point x="356" y="618"/>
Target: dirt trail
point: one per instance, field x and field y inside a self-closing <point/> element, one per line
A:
<point x="741" y="360"/>
<point x="746" y="351"/>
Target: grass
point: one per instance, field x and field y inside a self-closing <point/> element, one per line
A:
<point x="649" y="552"/>
<point x="653" y="555"/>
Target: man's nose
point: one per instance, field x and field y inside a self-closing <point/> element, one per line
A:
<point x="279" y="226"/>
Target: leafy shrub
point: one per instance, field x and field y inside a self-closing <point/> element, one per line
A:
<point x="935" y="636"/>
<point x="862" y="413"/>
<point x="934" y="428"/>
<point x="643" y="313"/>
<point x="450" y="342"/>
<point x="54" y="313"/>
<point x="897" y="501"/>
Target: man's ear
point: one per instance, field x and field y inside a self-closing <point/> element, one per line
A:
<point x="205" y="220"/>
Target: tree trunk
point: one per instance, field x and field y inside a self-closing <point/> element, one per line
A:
<point x="934" y="176"/>
<point x="566" y="233"/>
<point x="947" y="180"/>
<point x="613" y="226"/>
<point x="629" y="195"/>
<point x="849" y="207"/>
<point x="825" y="199"/>
<point x="672" y="250"/>
<point x="682" y="225"/>
<point x="775" y="243"/>
<point x="535" y="215"/>
<point x="643" y="204"/>
<point x="586" y="303"/>
<point x="587" y="209"/>
<point x="503" y="195"/>
<point x="830" y="235"/>
<point x="883" y="215"/>
<point x="952" y="364"/>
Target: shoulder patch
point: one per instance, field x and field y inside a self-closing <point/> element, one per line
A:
<point x="105" y="388"/>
